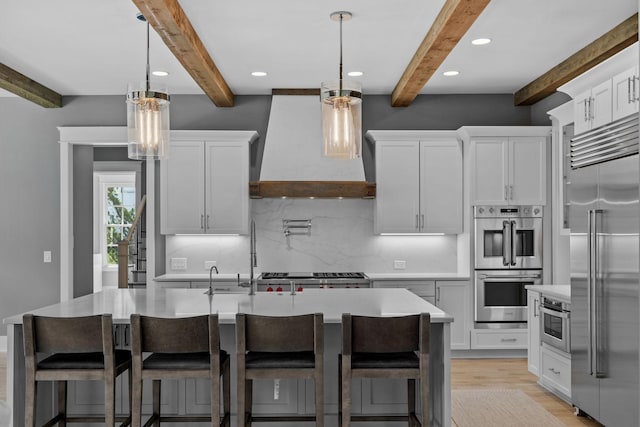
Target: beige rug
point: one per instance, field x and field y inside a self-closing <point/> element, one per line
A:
<point x="499" y="408"/>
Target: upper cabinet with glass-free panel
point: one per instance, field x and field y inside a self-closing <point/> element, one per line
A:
<point x="204" y="183"/>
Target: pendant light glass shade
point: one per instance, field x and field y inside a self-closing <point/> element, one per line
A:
<point x="147" y="117"/>
<point x="341" y="119"/>
<point x="147" y="122"/>
<point x="341" y="111"/>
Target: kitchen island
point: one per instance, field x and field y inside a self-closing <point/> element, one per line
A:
<point x="283" y="396"/>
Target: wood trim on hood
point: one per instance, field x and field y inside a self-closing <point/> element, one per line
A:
<point x="319" y="189"/>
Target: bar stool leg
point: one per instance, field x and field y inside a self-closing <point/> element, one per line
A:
<point x="248" y="392"/>
<point x="109" y="401"/>
<point x="346" y="399"/>
<point x="319" y="401"/>
<point x="215" y="402"/>
<point x="157" y="385"/>
<point x="30" y="400"/>
<point x="61" y="388"/>
<point x="411" y="401"/>
<point x="340" y="391"/>
<point x="136" y="401"/>
<point x="226" y="393"/>
<point x="424" y="396"/>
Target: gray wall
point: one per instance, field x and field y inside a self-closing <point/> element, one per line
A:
<point x="82" y="220"/>
<point x="30" y="176"/>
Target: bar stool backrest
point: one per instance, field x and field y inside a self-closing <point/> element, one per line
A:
<point x="280" y="334"/>
<point x="385" y="334"/>
<point x="69" y="335"/>
<point x="176" y="335"/>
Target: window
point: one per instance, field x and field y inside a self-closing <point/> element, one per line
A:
<point x="115" y="210"/>
<point x="120" y="204"/>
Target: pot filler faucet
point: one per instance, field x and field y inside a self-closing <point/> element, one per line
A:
<point x="253" y="262"/>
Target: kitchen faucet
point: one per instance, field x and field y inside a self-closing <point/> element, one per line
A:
<point x="210" y="291"/>
<point x="253" y="261"/>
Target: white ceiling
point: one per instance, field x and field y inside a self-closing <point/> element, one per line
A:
<point x="95" y="47"/>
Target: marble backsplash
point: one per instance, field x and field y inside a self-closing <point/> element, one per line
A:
<point x="341" y="239"/>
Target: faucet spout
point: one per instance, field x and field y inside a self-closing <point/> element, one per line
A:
<point x="210" y="291"/>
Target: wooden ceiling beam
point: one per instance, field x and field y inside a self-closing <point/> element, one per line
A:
<point x="618" y="38"/>
<point x="21" y="85"/>
<point x="453" y="21"/>
<point x="169" y="20"/>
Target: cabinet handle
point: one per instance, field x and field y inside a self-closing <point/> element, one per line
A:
<point x="554" y="371"/>
<point x="592" y="113"/>
<point x="421" y="220"/>
<point x="126" y="335"/>
<point x="437" y="295"/>
<point x="508" y="339"/>
<point x="417" y="222"/>
<point x="586" y="101"/>
<point x="629" y="90"/>
<point x="207" y="222"/>
<point x="635" y="98"/>
<point x="506" y="192"/>
<point x="116" y="335"/>
<point x="535" y="305"/>
<point x="511" y="192"/>
<point x="202" y="221"/>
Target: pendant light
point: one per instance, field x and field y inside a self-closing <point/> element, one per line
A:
<point x="147" y="117"/>
<point x="341" y="111"/>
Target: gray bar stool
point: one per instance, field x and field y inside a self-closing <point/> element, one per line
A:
<point x="279" y="347"/>
<point x="385" y="347"/>
<point x="79" y="349"/>
<point x="180" y="348"/>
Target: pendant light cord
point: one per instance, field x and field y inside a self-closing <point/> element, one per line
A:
<point x="340" y="88"/>
<point x="148" y="86"/>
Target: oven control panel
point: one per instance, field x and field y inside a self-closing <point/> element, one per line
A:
<point x="507" y="211"/>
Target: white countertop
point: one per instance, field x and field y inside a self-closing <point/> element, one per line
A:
<point x="561" y="292"/>
<point x="121" y="303"/>
<point x="204" y="277"/>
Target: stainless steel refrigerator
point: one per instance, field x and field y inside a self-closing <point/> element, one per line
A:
<point x="604" y="219"/>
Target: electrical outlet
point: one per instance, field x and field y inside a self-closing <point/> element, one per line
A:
<point x="209" y="264"/>
<point x="399" y="264"/>
<point x="178" y="263"/>
<point x="47" y="256"/>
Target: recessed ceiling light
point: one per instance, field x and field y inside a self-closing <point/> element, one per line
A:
<point x="451" y="73"/>
<point x="160" y="73"/>
<point x="480" y="42"/>
<point x="355" y="73"/>
<point x="258" y="74"/>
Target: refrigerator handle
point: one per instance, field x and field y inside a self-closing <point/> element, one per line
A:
<point x="590" y="330"/>
<point x="506" y="244"/>
<point x="514" y="239"/>
<point x="598" y="373"/>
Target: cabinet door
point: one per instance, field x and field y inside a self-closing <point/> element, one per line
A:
<point x="182" y="189"/>
<point x="490" y="166"/>
<point x="227" y="188"/>
<point x="581" y="114"/>
<point x="624" y="92"/>
<point x="397" y="187"/>
<point x="601" y="108"/>
<point x="533" y="319"/>
<point x="527" y="170"/>
<point x="455" y="299"/>
<point x="441" y="187"/>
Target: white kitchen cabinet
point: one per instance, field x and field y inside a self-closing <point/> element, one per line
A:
<point x="533" y="323"/>
<point x="626" y="93"/>
<point x="555" y="372"/>
<point x="509" y="170"/>
<point x="499" y="339"/>
<point x="418" y="182"/>
<point x="204" y="184"/>
<point x="454" y="297"/>
<point x="592" y="108"/>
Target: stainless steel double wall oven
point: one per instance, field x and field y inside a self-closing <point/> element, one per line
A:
<point x="508" y="257"/>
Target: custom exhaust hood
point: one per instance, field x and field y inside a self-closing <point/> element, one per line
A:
<point x="292" y="162"/>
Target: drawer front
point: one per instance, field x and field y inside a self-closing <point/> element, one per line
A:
<point x="555" y="371"/>
<point x="499" y="339"/>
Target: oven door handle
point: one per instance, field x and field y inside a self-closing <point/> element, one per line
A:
<point x="506" y="243"/>
<point x="509" y="278"/>
<point x="561" y="314"/>
<point x="513" y="243"/>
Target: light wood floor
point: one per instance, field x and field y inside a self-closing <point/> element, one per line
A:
<point x="466" y="373"/>
<point x="511" y="374"/>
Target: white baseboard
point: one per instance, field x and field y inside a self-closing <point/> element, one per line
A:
<point x="3" y="343"/>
